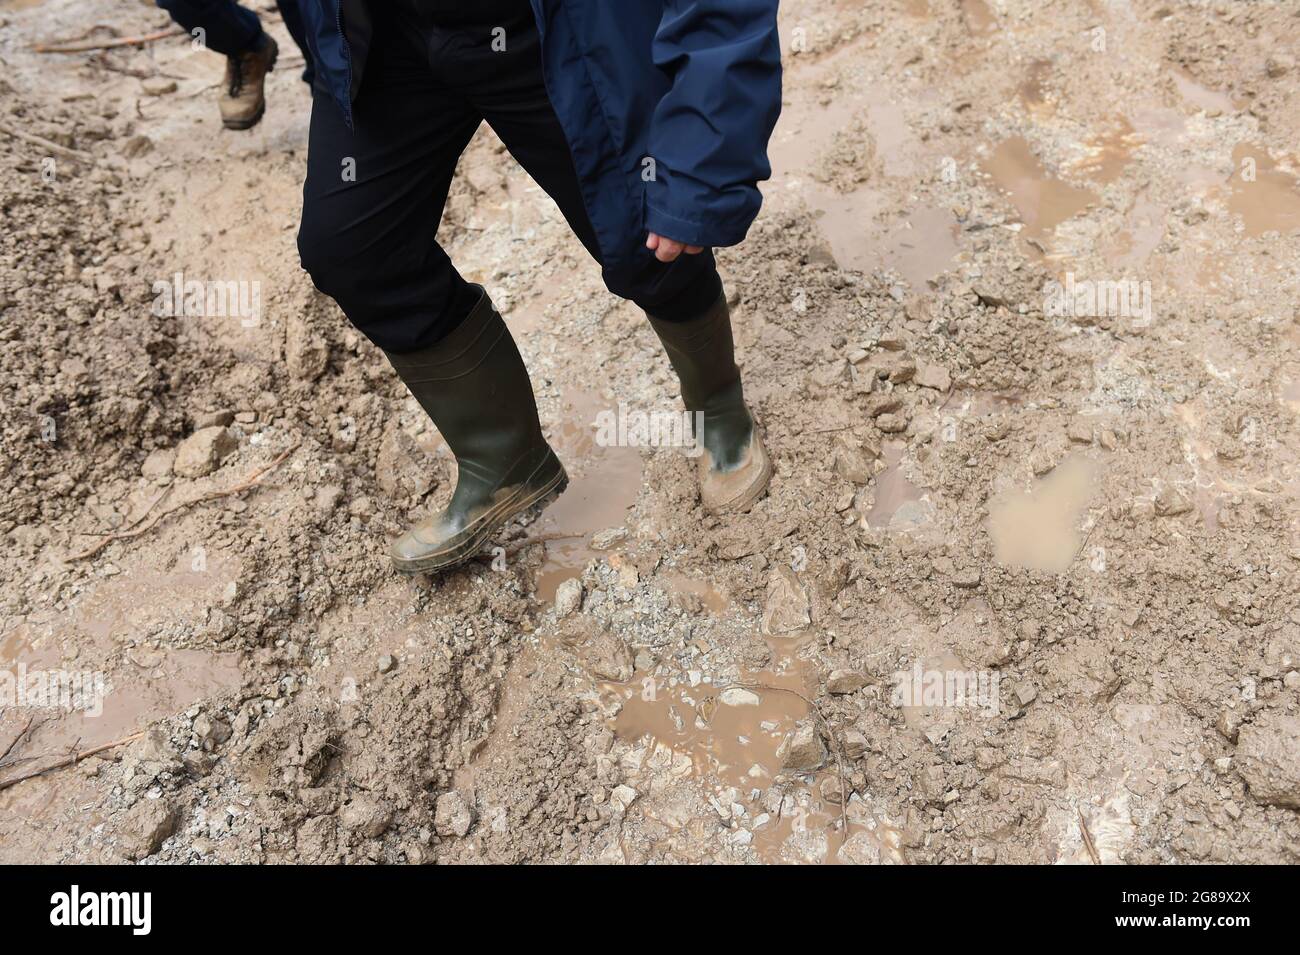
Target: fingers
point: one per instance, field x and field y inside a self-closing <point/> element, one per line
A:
<point x="667" y="250"/>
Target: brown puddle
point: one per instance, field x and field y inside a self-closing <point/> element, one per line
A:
<point x="1201" y="97"/>
<point x="731" y="732"/>
<point x="1032" y="89"/>
<point x="121" y="689"/>
<point x="894" y="491"/>
<point x="1038" y="529"/>
<point x="607" y="484"/>
<point x="1109" y="152"/>
<point x="1041" y="201"/>
<point x="919" y="247"/>
<point x="1269" y="204"/>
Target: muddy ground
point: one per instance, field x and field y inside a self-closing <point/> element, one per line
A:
<point x="1084" y="516"/>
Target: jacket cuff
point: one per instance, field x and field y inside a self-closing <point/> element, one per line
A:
<point x="714" y="233"/>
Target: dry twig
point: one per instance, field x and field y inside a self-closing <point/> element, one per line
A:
<point x="109" y="44"/>
<point x="70" y="760"/>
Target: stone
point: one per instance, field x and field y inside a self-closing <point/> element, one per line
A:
<point x="1171" y="502"/>
<point x="146" y="826"/>
<point x="738" y="696"/>
<point x="202" y="452"/>
<point x="622" y="797"/>
<point x="604" y="540"/>
<point x="891" y="423"/>
<point x="157" y="86"/>
<point x="568" y="597"/>
<point x="387" y="663"/>
<point x="306" y="350"/>
<point x="853" y="462"/>
<point x="452" y="815"/>
<point x="842" y="682"/>
<point x="214" y="419"/>
<point x="802" y="750"/>
<point x="158" y="464"/>
<point x="931" y="376"/>
<point x="1266" y="759"/>
<point x="786" y="607"/>
<point x="367" y="816"/>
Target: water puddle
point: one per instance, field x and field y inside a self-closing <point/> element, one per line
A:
<point x="1041" y="201"/>
<point x="603" y="484"/>
<point x="896" y="496"/>
<point x="1032" y="91"/>
<point x="1038" y="529"/>
<point x="1109" y="152"/>
<point x="727" y="736"/>
<point x="1271" y="203"/>
<point x="1201" y="97"/>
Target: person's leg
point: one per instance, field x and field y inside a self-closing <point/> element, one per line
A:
<point x="371" y="205"/>
<point x="684" y="299"/>
<point x="223" y="25"/>
<point x="236" y="33"/>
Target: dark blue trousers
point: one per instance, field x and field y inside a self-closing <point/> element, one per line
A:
<point x="230" y="29"/>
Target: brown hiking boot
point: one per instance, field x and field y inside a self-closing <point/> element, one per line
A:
<point x="242" y="99"/>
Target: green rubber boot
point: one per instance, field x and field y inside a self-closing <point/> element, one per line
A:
<point x="734" y="468"/>
<point x="474" y="386"/>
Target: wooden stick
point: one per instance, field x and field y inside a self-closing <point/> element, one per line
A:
<point x="48" y="146"/>
<point x="110" y="44"/>
<point x="69" y="760"/>
<point x="1088" y="844"/>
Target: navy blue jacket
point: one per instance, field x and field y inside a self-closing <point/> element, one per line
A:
<point x="667" y="106"/>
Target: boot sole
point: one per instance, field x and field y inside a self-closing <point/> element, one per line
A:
<point x="490" y="523"/>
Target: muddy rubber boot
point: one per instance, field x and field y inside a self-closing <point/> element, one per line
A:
<point x="243" y="100"/>
<point x="734" y="466"/>
<point x="474" y="386"/>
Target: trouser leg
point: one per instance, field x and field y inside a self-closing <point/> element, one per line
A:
<point x="374" y="195"/>
<point x="227" y="28"/>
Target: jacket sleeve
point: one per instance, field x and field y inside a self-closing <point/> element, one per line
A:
<point x="709" y="133"/>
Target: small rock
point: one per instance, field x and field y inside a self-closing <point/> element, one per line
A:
<point x="842" y="682"/>
<point x="452" y="816"/>
<point x="891" y="423"/>
<point x="738" y="696"/>
<point x="802" y="750"/>
<point x="158" y="464"/>
<point x="932" y="376"/>
<point x="786" y="608"/>
<point x="387" y="663"/>
<point x="1266" y="759"/>
<point x="157" y="86"/>
<point x="1171" y="502"/>
<point x="604" y="540"/>
<point x="146" y="826"/>
<point x="568" y="597"/>
<point x="622" y="797"/>
<point x="367" y="816"/>
<point x="203" y="451"/>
